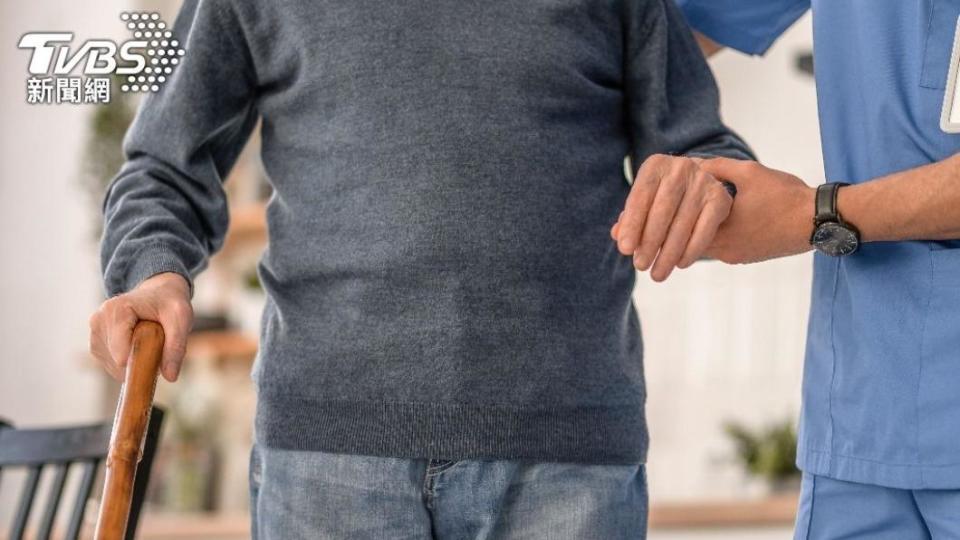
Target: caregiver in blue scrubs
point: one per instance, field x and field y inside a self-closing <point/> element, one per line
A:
<point x="880" y="424"/>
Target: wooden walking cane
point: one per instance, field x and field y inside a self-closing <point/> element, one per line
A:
<point x="129" y="429"/>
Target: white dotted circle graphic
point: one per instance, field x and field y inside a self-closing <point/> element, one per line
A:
<point x="160" y="49"/>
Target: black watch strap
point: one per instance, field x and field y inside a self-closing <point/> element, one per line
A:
<point x="826" y="203"/>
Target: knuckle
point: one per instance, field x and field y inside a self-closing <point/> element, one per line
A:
<point x="654" y="166"/>
<point x="716" y="192"/>
<point x="649" y="163"/>
<point x="181" y="310"/>
<point x="648" y="177"/>
<point x="119" y="303"/>
<point x="657" y="158"/>
<point x="94" y="321"/>
<point x="674" y="162"/>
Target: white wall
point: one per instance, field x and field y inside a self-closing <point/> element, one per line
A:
<point x="726" y="343"/>
<point x="48" y="268"/>
<point x="49" y="280"/>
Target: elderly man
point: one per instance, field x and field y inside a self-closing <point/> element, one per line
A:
<point x="449" y="347"/>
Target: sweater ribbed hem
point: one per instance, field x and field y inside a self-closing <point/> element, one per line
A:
<point x="453" y="431"/>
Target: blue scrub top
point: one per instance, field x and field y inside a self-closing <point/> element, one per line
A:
<point x="881" y="389"/>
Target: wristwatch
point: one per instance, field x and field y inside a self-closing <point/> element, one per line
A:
<point x="831" y="234"/>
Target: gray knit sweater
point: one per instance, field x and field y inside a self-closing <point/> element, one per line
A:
<point x="440" y="278"/>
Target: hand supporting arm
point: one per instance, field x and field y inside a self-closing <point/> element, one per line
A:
<point x="773" y="214"/>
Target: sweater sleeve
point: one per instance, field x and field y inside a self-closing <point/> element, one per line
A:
<point x="671" y="95"/>
<point x="166" y="210"/>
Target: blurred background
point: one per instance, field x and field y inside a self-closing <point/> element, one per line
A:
<point x="724" y="346"/>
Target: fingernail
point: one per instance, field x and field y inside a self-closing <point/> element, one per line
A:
<point x="640" y="261"/>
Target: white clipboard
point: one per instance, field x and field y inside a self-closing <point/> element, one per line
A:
<point x="950" y="118"/>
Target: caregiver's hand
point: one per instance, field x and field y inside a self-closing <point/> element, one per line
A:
<point x="671" y="215"/>
<point x="773" y="215"/>
<point x="164" y="298"/>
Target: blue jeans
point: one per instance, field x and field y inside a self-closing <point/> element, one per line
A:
<point x="319" y="495"/>
<point x="831" y="509"/>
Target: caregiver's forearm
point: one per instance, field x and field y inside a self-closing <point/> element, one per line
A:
<point x="916" y="204"/>
<point x="707" y="45"/>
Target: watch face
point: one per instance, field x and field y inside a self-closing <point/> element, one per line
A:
<point x="835" y="240"/>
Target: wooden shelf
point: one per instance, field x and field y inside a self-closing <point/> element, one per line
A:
<point x="222" y="345"/>
<point x="776" y="510"/>
<point x="248" y="225"/>
<point x="183" y="526"/>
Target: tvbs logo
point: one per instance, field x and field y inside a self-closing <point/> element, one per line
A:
<point x="144" y="62"/>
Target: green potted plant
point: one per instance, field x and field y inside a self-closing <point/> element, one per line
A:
<point x="768" y="453"/>
<point x="104" y="145"/>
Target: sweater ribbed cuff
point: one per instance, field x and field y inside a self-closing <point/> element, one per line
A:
<point x="148" y="262"/>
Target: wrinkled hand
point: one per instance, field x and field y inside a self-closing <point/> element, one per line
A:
<point x="671" y="215"/>
<point x="164" y="298"/>
<point x="772" y="216"/>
